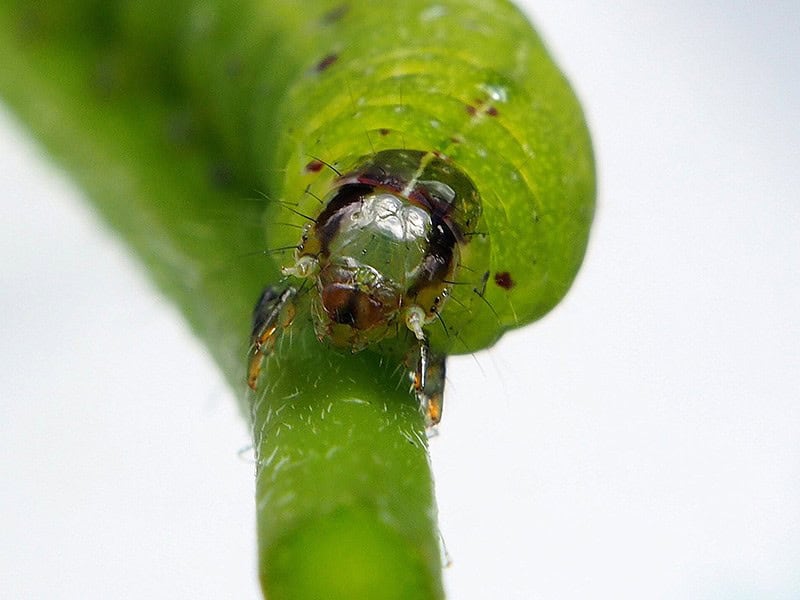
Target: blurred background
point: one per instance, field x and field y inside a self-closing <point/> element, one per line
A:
<point x="642" y="441"/>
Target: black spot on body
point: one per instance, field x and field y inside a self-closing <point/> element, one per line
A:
<point x="504" y="280"/>
<point x="326" y="62"/>
<point x="315" y="166"/>
<point x="383" y="131"/>
<point x="492" y="111"/>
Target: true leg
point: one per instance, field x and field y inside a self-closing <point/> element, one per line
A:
<point x="429" y="383"/>
<point x="274" y="310"/>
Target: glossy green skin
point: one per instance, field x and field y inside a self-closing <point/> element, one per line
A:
<point x="432" y="76"/>
<point x="418" y="72"/>
<point x="472" y="81"/>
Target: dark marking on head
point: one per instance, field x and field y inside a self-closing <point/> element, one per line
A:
<point x="345" y="304"/>
<point x="340" y="302"/>
<point x="384" y="131"/>
<point x="504" y="280"/>
<point x="345" y="201"/>
<point x="471" y="110"/>
<point x="315" y="166"/>
<point x="492" y="111"/>
<point x="439" y="259"/>
<point x="326" y="62"/>
<point x="335" y="14"/>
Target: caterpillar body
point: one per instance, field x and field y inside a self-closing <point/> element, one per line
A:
<point x="366" y="124"/>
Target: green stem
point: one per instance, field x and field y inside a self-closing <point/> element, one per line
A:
<point x="344" y="491"/>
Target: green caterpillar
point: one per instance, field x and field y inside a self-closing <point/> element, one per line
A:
<point x="452" y="107"/>
<point x="429" y="172"/>
<point x="430" y="179"/>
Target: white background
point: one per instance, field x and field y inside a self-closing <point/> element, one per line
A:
<point x="642" y="441"/>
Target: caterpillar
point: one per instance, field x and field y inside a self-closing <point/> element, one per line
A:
<point x="428" y="167"/>
<point x="428" y="171"/>
<point x="451" y="112"/>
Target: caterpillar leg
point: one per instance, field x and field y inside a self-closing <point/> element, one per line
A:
<point x="274" y="310"/>
<point x="428" y="378"/>
<point x="429" y="371"/>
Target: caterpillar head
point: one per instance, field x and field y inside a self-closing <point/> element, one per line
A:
<point x="384" y="251"/>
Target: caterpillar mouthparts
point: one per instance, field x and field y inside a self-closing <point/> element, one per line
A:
<point x="386" y="245"/>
